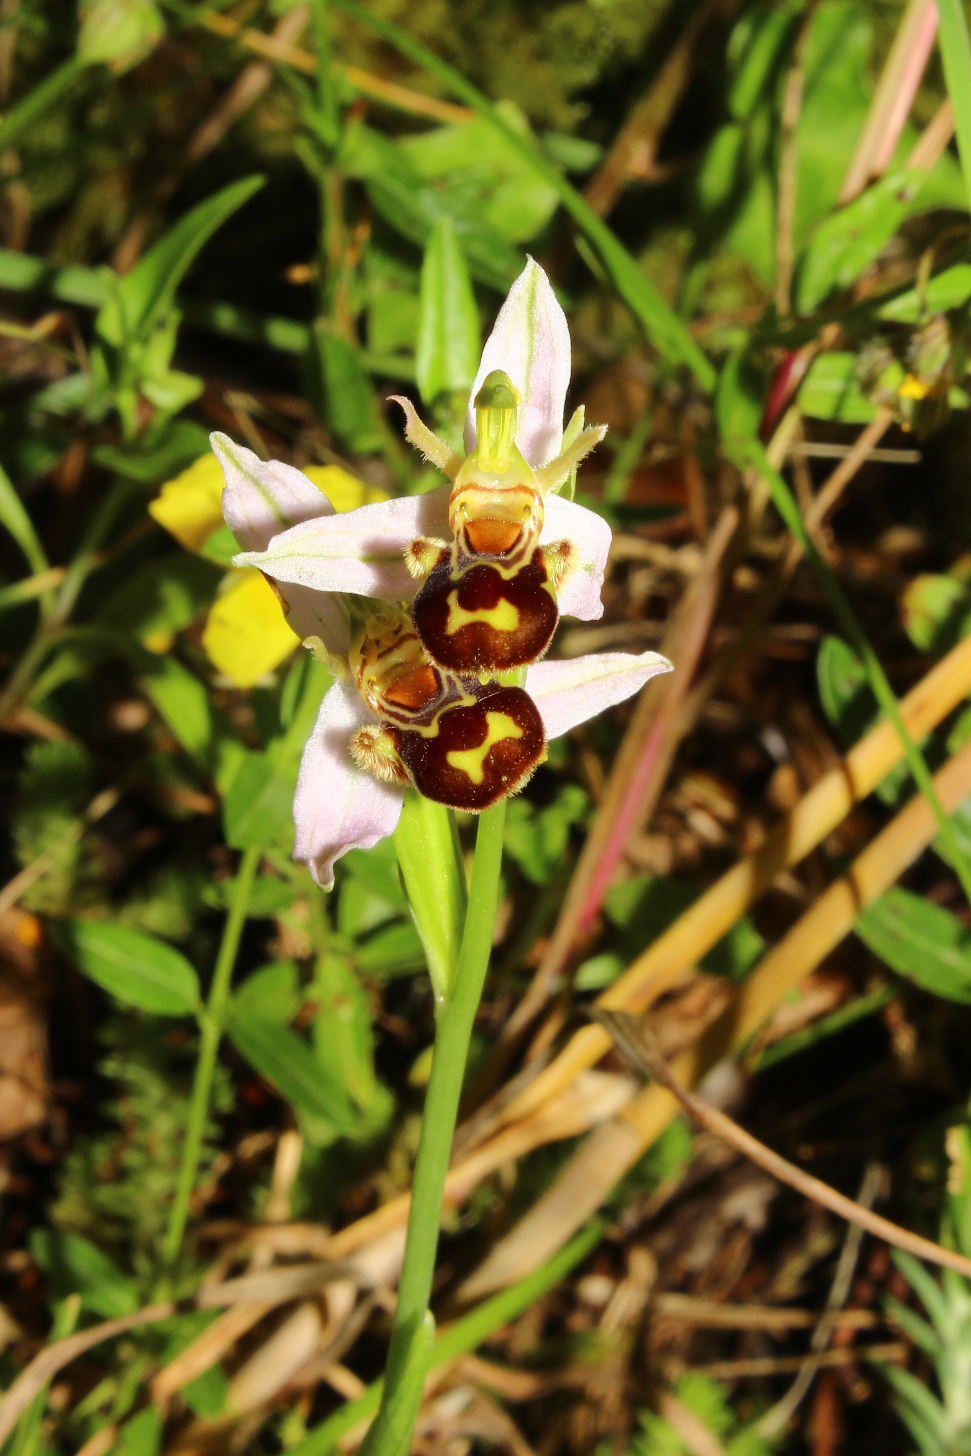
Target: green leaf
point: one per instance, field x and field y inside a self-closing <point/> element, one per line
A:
<point x="936" y="612"/>
<point x="740" y="398"/>
<point x="956" y="56"/>
<point x="258" y="808"/>
<point x="161" y="598"/>
<point x="136" y="969"/>
<point x="15" y="518"/>
<point x="920" y="1410"/>
<point x="346" y="394"/>
<point x="342" y="1032"/>
<point x="427" y="846"/>
<point x="186" y="705"/>
<point x="919" y="940"/>
<point x="394" y="950"/>
<point x="75" y="1265"/>
<point x="845" y="244"/>
<point x="271" y="993"/>
<point x="661" y="324"/>
<point x="736" y="193"/>
<point x="836" y="65"/>
<point x="138" y="301"/>
<point x="286" y="1061"/>
<point x="843" y="689"/>
<point x="447" y="351"/>
<point x="539" y="842"/>
<point x="947" y="290"/>
<point x="40" y="98"/>
<point x="831" y="391"/>
<point x="487" y="172"/>
<point x="141" y="1435"/>
<point x="119" y="32"/>
<point x="758" y="49"/>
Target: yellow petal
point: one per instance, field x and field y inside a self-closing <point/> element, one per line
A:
<point x="246" y="635"/>
<point x="190" y="505"/>
<point x="345" y="492"/>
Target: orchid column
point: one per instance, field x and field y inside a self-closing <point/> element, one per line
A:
<point x="434" y="611"/>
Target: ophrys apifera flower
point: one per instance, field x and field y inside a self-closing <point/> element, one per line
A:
<point x="394" y="718"/>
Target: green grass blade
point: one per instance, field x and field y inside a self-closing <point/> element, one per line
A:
<point x="660" y="322"/>
<point x="32" y="106"/>
<point x="750" y="454"/>
<point x="956" y="58"/>
<point x="462" y="1337"/>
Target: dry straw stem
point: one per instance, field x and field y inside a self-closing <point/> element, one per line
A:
<point x="695" y="932"/>
<point x="264" y="1290"/>
<point x="639" y="771"/>
<point x="639" y="1046"/>
<point x="401" y="98"/>
<point x="893" y="97"/>
<point x="531" y="1116"/>
<point x="613" y="1149"/>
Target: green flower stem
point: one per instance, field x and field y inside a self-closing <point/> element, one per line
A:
<point x="211" y="1025"/>
<point x="462" y="1337"/>
<point x="427" y="847"/>
<point x="455" y="1016"/>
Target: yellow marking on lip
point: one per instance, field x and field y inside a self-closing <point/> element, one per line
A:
<point x="503" y="617"/>
<point x="471" y="761"/>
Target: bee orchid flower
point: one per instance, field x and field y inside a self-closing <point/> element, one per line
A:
<point x="501" y="514"/>
<point x="392" y="719"/>
<point x="433" y="610"/>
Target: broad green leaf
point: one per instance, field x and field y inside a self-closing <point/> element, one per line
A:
<point x="186" y="705"/>
<point x="141" y="1435"/>
<point x="936" y="612"/>
<point x="831" y="391"/>
<point x="160" y="599"/>
<point x="836" y="61"/>
<point x="759" y="46"/>
<point x="494" y="175"/>
<point x="539" y="842"/>
<point x="736" y="195"/>
<point x="947" y="290"/>
<point x="919" y="940"/>
<point x="41" y="97"/>
<point x="447" y="351"/>
<point x="391" y="290"/>
<point x="136" y="969"/>
<point x="843" y="689"/>
<point x="845" y="244"/>
<point x="346" y="393"/>
<point x="139" y="300"/>
<point x="268" y="898"/>
<point x="394" y="950"/>
<point x="955" y="46"/>
<point x="412" y="206"/>
<point x="118" y="32"/>
<point x="271" y="993"/>
<point x="342" y="1032"/>
<point x="206" y="1395"/>
<point x="310" y="1085"/>
<point x="75" y="1265"/>
<point x="258" y="807"/>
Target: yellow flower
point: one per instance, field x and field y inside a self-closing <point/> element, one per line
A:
<point x="246" y="634"/>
